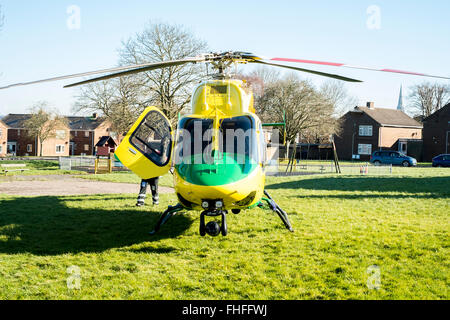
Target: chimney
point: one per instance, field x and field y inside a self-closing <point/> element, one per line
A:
<point x="371" y="105"/>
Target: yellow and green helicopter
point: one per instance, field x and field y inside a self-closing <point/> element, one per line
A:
<point x="218" y="152"/>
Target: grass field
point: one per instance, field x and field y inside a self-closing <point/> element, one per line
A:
<point x="343" y="226"/>
<point x="37" y="167"/>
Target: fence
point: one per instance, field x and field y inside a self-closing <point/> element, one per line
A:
<point x="77" y="163"/>
<point x="280" y="168"/>
<point x="88" y="163"/>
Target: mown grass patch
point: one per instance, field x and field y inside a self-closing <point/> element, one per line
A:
<point x="127" y="177"/>
<point x="343" y="225"/>
<point x="36" y="167"/>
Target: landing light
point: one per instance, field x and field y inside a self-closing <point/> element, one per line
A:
<point x="205" y="205"/>
<point x="219" y="204"/>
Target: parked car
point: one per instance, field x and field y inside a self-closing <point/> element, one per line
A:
<point x="442" y="160"/>
<point x="392" y="157"/>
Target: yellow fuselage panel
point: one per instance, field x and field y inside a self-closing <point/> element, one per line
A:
<point x="133" y="158"/>
<point x="227" y="98"/>
<point x="233" y="195"/>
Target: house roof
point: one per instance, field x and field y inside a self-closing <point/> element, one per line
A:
<point x="444" y="109"/>
<point x="84" y="123"/>
<point x="2" y="123"/>
<point x="15" y="121"/>
<point x="104" y="140"/>
<point x="390" y="117"/>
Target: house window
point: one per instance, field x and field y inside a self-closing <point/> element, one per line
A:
<point x="76" y="133"/>
<point x="29" y="148"/>
<point x="18" y="132"/>
<point x="365" y="131"/>
<point x="365" y="149"/>
<point x="60" y="134"/>
<point x="59" y="148"/>
<point x="1" y="132"/>
<point x="86" y="134"/>
<point x="1" y="149"/>
<point x="86" y="147"/>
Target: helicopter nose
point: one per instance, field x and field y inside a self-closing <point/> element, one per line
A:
<point x="220" y="172"/>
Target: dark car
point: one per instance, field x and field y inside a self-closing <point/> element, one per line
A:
<point x="392" y="157"/>
<point x="442" y="160"/>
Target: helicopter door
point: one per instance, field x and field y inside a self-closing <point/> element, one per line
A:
<point x="147" y="148"/>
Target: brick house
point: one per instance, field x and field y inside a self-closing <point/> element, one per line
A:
<point x="86" y="132"/>
<point x="21" y="144"/>
<point x="436" y="133"/>
<point x="3" y="138"/>
<point x="366" y="129"/>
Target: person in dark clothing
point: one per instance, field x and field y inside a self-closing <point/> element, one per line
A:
<point x="153" y="182"/>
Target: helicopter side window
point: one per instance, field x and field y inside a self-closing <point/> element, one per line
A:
<point x="153" y="139"/>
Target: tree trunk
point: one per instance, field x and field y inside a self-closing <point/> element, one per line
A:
<point x="294" y="155"/>
<point x="288" y="144"/>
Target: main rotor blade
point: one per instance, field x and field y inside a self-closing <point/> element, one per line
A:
<point x="148" y="67"/>
<point x="323" y="74"/>
<point x="336" y="64"/>
<point x="90" y="73"/>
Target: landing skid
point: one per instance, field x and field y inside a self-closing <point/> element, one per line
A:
<point x="281" y="213"/>
<point x="170" y="211"/>
<point x="213" y="228"/>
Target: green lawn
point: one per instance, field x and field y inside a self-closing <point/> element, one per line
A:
<point x="343" y="225"/>
<point x="127" y="177"/>
<point x="36" y="167"/>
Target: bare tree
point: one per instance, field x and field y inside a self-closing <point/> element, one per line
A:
<point x="168" y="88"/>
<point x="257" y="81"/>
<point x="117" y="100"/>
<point x="43" y="123"/>
<point x="303" y="107"/>
<point x="337" y="94"/>
<point x="122" y="100"/>
<point x="426" y="98"/>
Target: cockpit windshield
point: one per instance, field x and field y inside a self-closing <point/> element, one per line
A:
<point x="236" y="136"/>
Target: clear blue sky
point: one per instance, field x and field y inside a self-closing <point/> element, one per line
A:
<point x="413" y="35"/>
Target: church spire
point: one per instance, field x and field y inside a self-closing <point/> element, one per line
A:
<point x="400" y="100"/>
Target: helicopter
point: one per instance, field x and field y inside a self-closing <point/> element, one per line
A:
<point x="217" y="153"/>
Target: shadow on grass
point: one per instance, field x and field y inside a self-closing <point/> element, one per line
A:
<point x="436" y="187"/>
<point x="46" y="226"/>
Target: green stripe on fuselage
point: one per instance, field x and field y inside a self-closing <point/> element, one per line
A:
<point x="225" y="169"/>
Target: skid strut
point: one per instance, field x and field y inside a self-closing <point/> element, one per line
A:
<point x="170" y="211"/>
<point x="281" y="213"/>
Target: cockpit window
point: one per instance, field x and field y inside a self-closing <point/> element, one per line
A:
<point x="153" y="139"/>
<point x="237" y="136"/>
<point x="194" y="136"/>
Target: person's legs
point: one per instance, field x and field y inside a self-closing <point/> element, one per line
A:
<point x="154" y="187"/>
<point x="142" y="193"/>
